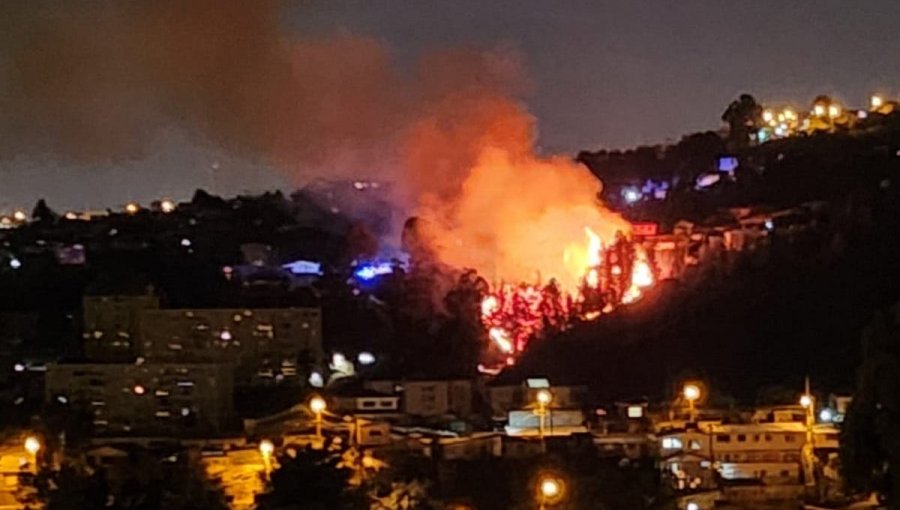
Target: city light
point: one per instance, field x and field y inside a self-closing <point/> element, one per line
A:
<point x="266" y="447"/>
<point x="876" y="102"/>
<point x="631" y="195"/>
<point x="371" y="271"/>
<point x="826" y="415"/>
<point x="316" y="380"/>
<point x="768" y="116"/>
<point x="819" y="110"/>
<point x="15" y="263"/>
<point x="692" y="506"/>
<point x="20" y="215"/>
<point x="32" y="445"/>
<point x="167" y="206"/>
<point x="806" y="401"/>
<point x="132" y="208"/>
<point x="834" y="111"/>
<point x="318" y="405"/>
<point x="691" y="392"/>
<point x="365" y="358"/>
<point x="550" y="488"/>
<point x="138" y="389"/>
<point x="544" y="397"/>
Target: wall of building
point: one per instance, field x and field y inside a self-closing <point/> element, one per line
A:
<point x="264" y="345"/>
<point x="111" y="328"/>
<point x="146" y="399"/>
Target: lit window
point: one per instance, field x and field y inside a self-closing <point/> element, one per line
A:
<point x="671" y="443"/>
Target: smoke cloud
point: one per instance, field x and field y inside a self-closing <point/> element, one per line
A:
<point x="103" y="82"/>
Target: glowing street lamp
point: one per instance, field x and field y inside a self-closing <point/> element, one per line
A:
<point x="318" y="405"/>
<point x="691" y="392"/>
<point x="768" y="116"/>
<point x="819" y="110"/>
<point x="167" y="206"/>
<point x="876" y="102"/>
<point x="550" y="490"/>
<point x="544" y="398"/>
<point x="33" y="446"/>
<point x="132" y="208"/>
<point x="834" y="111"/>
<point x="266" y="449"/>
<point x="806" y="401"/>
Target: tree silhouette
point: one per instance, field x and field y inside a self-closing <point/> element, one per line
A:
<point x="744" y="117"/>
<point x="870" y="439"/>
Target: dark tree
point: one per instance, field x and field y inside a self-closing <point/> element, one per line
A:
<point x="870" y="440"/>
<point x="312" y="480"/>
<point x="744" y="116"/>
<point x="42" y="212"/>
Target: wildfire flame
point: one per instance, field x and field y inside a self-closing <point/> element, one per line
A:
<point x="515" y="314"/>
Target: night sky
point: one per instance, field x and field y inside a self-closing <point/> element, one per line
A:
<point x="601" y="74"/>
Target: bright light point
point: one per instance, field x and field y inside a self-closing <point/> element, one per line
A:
<point x="225" y="335"/>
<point x="691" y="392"/>
<point x="826" y="415"/>
<point x="316" y="380"/>
<point x="366" y="358"/>
<point x="550" y="488"/>
<point x="185" y="242"/>
<point x="876" y="101"/>
<point x="138" y="389"/>
<point x="770" y="225"/>
<point x="692" y="506"/>
<point x="834" y="111"/>
<point x="819" y="110"/>
<point x="15" y="263"/>
<point x="185" y="411"/>
<point x="338" y="359"/>
<point x="862" y="114"/>
<point x="18" y="367"/>
<point x="32" y="445"/>
<point x="544" y="397"/>
<point x="132" y="207"/>
<point x="266" y="447"/>
<point x="167" y="206"/>
<point x="317" y="404"/>
<point x="806" y="400"/>
<point x="370" y="271"/>
<point x="767" y="116"/>
<point x="631" y="195"/>
<point x="20" y="216"/>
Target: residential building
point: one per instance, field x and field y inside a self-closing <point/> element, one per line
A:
<point x="431" y="399"/>
<point x="146" y="399"/>
<point x="504" y="398"/>
<point x="111" y="328"/>
<point x="266" y="346"/>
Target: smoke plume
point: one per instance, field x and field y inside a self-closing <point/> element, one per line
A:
<point x="102" y="82"/>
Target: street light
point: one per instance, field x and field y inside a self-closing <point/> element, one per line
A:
<point x="691" y="393"/>
<point x="834" y="111"/>
<point x="318" y="405"/>
<point x="806" y="401"/>
<point x="550" y="490"/>
<point x="33" y="446"/>
<point x="876" y="102"/>
<point x="267" y="448"/>
<point x="544" y="398"/>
